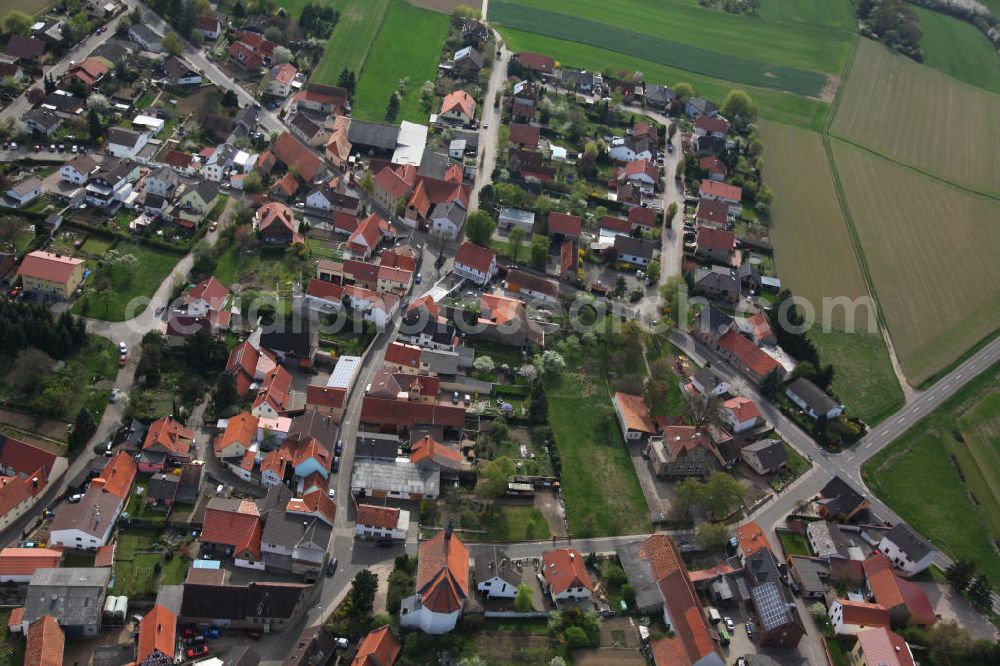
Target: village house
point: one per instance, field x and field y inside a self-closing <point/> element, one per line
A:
<point x="442" y="585"/>
<point x="251" y="50"/>
<point x="21" y="194"/>
<point x="458" y="107"/>
<point x="280" y="78"/>
<point x="724" y="192"/>
<point x="381" y="522"/>
<point x="126" y="143"/>
<point x="532" y="286"/>
<point x="766" y="456"/>
<point x="709" y="384"/>
<point x="475" y="263"/>
<point x="157" y="636"/>
<point x="663" y="586"/>
<point x="42" y="121"/>
<point x="297" y="531"/>
<point x="25" y="49"/>
<point x="496" y="574"/>
<point x="880" y="647"/>
<point x="840" y="502"/>
<point x="712" y="214"/>
<point x="180" y="73"/>
<point x="682" y="451"/>
<point x="167" y="443"/>
<point x="276" y="224"/>
<point x="535" y="63"/>
<point x="633" y="417"/>
<point x="777" y="618"/>
<point x="700" y="106"/>
<point x="378" y="648"/>
<point x="199" y="201"/>
<point x="715" y="167"/>
<point x="232" y="529"/>
<point x="849" y="618"/>
<point x="908" y="551"/>
<point x="740" y="413"/>
<point x="813" y="400"/>
<point x="566" y="576"/>
<point x="659" y="98"/>
<point x="715" y="245"/>
<point x="211" y="26"/>
<point x="72" y="596"/>
<point x="906" y="601"/>
<point x="17" y="565"/>
<point x="145" y="37"/>
<point x="47" y="275"/>
<point x="747" y="357"/>
<point x="321" y="99"/>
<point x="78" y="170"/>
<point x="428" y="193"/>
<point x="467" y="62"/>
<point x="87" y="524"/>
<point x="635" y="251"/>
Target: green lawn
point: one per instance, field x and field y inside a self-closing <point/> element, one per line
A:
<point x="958" y="49"/>
<point x="794" y="544"/>
<point x="837" y="652"/>
<point x="863" y="378"/>
<point x="773" y="105"/>
<point x="135" y="571"/>
<point x="505" y="522"/>
<point x="601" y="490"/>
<point x="759" y="53"/>
<point x="227" y="268"/>
<point x="917" y="475"/>
<point x="351" y="39"/>
<point x="152" y="267"/>
<point x="408" y="46"/>
<point x="96" y="245"/>
<point x="137" y="507"/>
<point x="833" y="14"/>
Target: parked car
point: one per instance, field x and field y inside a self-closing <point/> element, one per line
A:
<point x="730" y="625"/>
<point x="211" y="632"/>
<point x="73" y="499"/>
<point x="331" y="568"/>
<point x="332" y="493"/>
<point x="122" y="348"/>
<point x="454" y="398"/>
<point x="198" y="651"/>
<point x="418" y="278"/>
<point x="750" y="629"/>
<point x="467" y="400"/>
<point x="122" y="360"/>
<point x="339" y="448"/>
<point x="342" y="643"/>
<point x="336" y="464"/>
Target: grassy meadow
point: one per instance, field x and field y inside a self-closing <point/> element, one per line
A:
<point x="829" y="13"/>
<point x="408" y="45"/>
<point x="930" y="461"/>
<point x="958" y="49"/>
<point x="152" y="267"/>
<point x="602" y="492"/>
<point x="351" y="39"/>
<point x="921" y="117"/>
<point x="931" y="252"/>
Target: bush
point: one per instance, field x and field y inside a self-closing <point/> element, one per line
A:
<point x="576" y="638"/>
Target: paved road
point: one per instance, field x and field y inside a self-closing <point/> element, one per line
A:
<point x="489" y="134"/>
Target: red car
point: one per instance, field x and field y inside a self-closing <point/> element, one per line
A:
<point x="122" y="360"/>
<point x="197" y="651"/>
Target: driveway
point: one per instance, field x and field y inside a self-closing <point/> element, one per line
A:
<point x="487" y="155"/>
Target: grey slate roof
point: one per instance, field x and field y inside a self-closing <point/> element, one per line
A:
<point x="908" y="541"/>
<point x="451" y="210"/>
<point x="286" y="529"/>
<point x="640" y="575"/>
<point x="123" y="137"/>
<point x="812" y="395"/>
<point x="772" y="599"/>
<point x="495" y="562"/>
<point x="314" y="424"/>
<point x="433" y="164"/>
<point x="379" y="135"/>
<point x="71" y="595"/>
<point x="713" y="321"/>
<point x="376" y="445"/>
<point x="398" y="476"/>
<point x="839" y="497"/>
<point x="707" y="378"/>
<point x="810" y="572"/>
<point x="770" y="452"/>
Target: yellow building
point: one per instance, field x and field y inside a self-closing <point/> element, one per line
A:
<point x="51" y="275"/>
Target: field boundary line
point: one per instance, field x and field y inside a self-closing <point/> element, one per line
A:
<point x="368" y="50"/>
<point x="968" y="189"/>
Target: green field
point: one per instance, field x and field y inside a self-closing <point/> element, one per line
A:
<point x="30" y="7"/>
<point x="931" y="252"/>
<point x="794" y="544"/>
<point x="863" y="378"/>
<point x="920" y="117"/>
<point x="773" y="58"/>
<point x="408" y="45"/>
<point x="959" y="50"/>
<point x="782" y="107"/>
<point x="351" y="39"/>
<point x="152" y="267"/>
<point x="602" y="493"/>
<point x="830" y="13"/>
<point x="916" y="476"/>
<point x="813" y="251"/>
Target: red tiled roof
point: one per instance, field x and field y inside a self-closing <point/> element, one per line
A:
<point x="105" y="556"/>
<point x="691" y="641"/>
<point x="524" y="135"/>
<point x="567" y="225"/>
<point x="177" y="159"/>
<point x="710" y="210"/>
<point x="751" y="539"/>
<point x="239" y="528"/>
<point x="711" y="124"/>
<point x="921" y="611"/>
<point x="863" y="613"/>
<point x="635" y="412"/>
<point x="274" y="390"/>
<point x="536" y="61"/>
<point x="16" y="489"/>
<point x="426" y="448"/>
<point x="637" y="167"/>
<point x="390" y="182"/>
<point x="325" y="396"/>
<point x="386" y="517"/>
<point x="398" y="260"/>
<point x="564" y="568"/>
<point x="645" y="217"/>
<point x="16" y="617"/>
<point x="243" y="363"/>
<point x="283" y="73"/>
<point x="713" y="188"/>
<point x="616" y="224"/>
<point x="379" y="648"/>
<point x="748" y="353"/>
<point x="24" y="458"/>
<point x="170" y="435"/>
<point x="241" y="429"/>
<point x="461" y="101"/>
<point x="474" y="256"/>
<point x="368" y="231"/>
<point x="48" y="266"/>
<point x="157" y="632"/>
<point x="682" y="438"/>
<point x="276" y="214"/>
<point x="401" y="354"/>
<point x="311" y="449"/>
<point x="885" y="648"/>
<point x="760" y="325"/>
<point x="716" y="239"/>
<point x="24" y="561"/>
<point x="328" y="291"/>
<point x="443" y="572"/>
<point x="314" y="502"/>
<point x="117" y="476"/>
<point x="743" y="409"/>
<point x="209" y="23"/>
<point x="46" y="642"/>
<point x="287" y="184"/>
<point x="567" y="256"/>
<point x="712" y="164"/>
<point x="296" y="154"/>
<point x="403" y="412"/>
<point x="211" y="291"/>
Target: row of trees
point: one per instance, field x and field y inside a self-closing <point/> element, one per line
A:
<point x="894" y="23"/>
<point x="963" y="578"/>
<point x="24" y="325"/>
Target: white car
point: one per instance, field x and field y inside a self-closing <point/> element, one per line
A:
<point x="332" y="493"/>
<point x="122" y="348"/>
